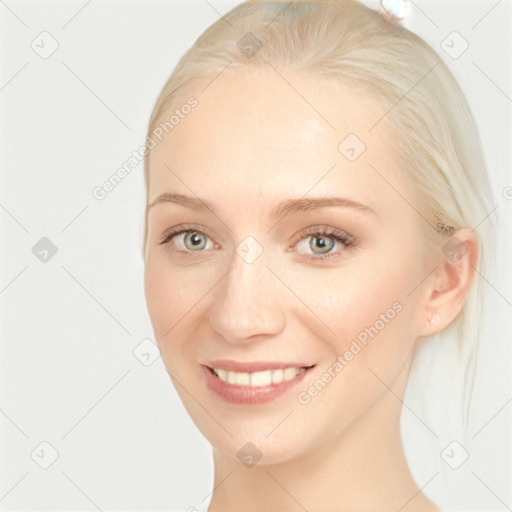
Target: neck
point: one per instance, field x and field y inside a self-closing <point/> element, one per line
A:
<point x="363" y="469"/>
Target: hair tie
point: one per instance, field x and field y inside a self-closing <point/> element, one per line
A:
<point x="395" y="9"/>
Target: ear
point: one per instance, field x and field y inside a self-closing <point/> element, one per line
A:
<point x="449" y="284"/>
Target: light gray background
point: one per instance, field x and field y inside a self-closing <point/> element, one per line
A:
<point x="69" y="327"/>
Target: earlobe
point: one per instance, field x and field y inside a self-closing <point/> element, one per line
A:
<point x="434" y="317"/>
<point x="450" y="283"/>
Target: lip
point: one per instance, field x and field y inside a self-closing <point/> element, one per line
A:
<point x="249" y="395"/>
<point x="254" y="366"/>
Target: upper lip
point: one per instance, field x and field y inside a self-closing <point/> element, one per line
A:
<point x="253" y="366"/>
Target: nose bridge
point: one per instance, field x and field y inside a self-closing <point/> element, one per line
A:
<point x="246" y="303"/>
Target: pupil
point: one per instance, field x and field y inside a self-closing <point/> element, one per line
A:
<point x="320" y="243"/>
<point x="196" y="239"/>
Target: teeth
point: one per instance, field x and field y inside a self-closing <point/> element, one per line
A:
<point x="277" y="376"/>
<point x="242" y="379"/>
<point x="222" y="374"/>
<point x="264" y="378"/>
<point x="289" y="374"/>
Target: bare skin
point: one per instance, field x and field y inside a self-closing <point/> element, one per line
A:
<point x="251" y="143"/>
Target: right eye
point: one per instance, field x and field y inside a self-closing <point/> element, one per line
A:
<point x="188" y="241"/>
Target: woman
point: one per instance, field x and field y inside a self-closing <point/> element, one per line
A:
<point x="313" y="178"/>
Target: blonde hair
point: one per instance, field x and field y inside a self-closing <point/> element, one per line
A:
<point x="435" y="134"/>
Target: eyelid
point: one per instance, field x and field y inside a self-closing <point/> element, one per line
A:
<point x="324" y="230"/>
<point x="176" y="230"/>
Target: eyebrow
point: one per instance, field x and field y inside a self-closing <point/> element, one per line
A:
<point x="282" y="209"/>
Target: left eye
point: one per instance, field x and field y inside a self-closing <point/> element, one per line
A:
<point x="324" y="239"/>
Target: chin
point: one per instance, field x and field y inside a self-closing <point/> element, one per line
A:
<point x="249" y="450"/>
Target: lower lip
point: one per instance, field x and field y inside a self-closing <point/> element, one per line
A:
<point x="248" y="395"/>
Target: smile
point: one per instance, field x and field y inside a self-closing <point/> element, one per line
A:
<point x="237" y="387"/>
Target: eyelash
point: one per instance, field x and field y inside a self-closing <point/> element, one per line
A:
<point x="315" y="231"/>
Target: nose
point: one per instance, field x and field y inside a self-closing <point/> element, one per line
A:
<point x="247" y="302"/>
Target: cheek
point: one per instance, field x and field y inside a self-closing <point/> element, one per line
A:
<point x="364" y="301"/>
<point x="165" y="303"/>
<point x="176" y="297"/>
<point x="167" y="295"/>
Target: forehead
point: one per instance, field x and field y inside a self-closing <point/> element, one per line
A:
<point x="271" y="135"/>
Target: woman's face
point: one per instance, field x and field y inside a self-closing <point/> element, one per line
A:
<point x="252" y="282"/>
